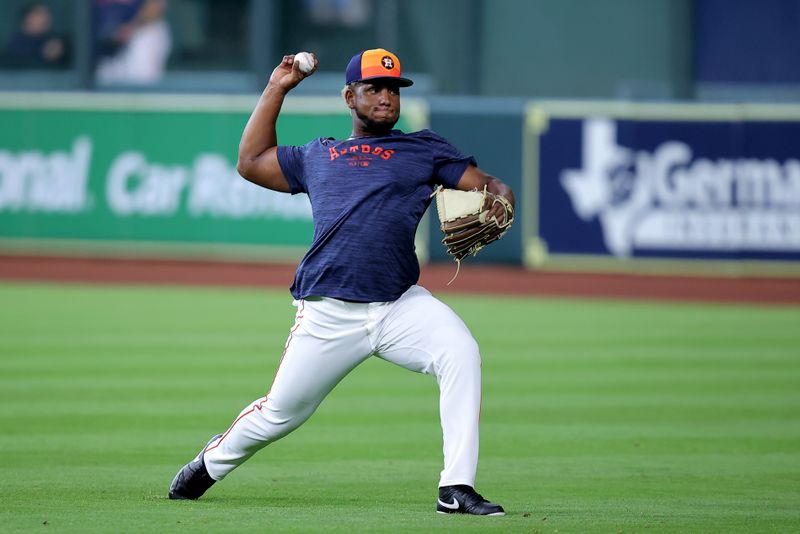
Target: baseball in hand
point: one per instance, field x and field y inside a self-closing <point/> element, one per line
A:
<point x="304" y="62"/>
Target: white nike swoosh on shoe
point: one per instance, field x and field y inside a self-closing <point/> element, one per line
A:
<point x="453" y="506"/>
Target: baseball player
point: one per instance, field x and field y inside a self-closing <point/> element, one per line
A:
<point x="356" y="289"/>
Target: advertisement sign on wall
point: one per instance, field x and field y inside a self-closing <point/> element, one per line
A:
<point x="84" y="169"/>
<point x="670" y="188"/>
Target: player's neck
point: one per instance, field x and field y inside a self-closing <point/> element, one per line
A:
<point x="358" y="133"/>
<point x="369" y="129"/>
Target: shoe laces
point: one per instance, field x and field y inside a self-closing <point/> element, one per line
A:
<point x="480" y="497"/>
<point x="471" y="490"/>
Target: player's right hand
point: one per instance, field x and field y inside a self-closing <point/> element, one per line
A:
<point x="287" y="75"/>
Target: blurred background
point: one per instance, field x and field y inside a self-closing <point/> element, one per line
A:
<point x="621" y="49"/>
<point x="663" y="132"/>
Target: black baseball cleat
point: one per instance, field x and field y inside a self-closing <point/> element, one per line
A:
<point x="465" y="500"/>
<point x="193" y="480"/>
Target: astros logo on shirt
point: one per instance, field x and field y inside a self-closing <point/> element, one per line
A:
<point x="360" y="155"/>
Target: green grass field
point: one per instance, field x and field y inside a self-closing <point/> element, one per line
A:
<point x="602" y="416"/>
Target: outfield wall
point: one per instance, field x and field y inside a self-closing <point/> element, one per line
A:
<point x="606" y="186"/>
<point x="624" y="187"/>
<point x="151" y="175"/>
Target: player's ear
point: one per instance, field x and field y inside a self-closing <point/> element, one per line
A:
<point x="348" y="93"/>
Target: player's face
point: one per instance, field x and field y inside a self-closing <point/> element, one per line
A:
<point x="377" y="104"/>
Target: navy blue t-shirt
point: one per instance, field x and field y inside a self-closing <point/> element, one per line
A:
<point x="367" y="197"/>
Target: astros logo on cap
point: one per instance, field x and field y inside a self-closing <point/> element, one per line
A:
<point x="373" y="64"/>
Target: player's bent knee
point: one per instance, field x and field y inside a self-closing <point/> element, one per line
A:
<point x="460" y="352"/>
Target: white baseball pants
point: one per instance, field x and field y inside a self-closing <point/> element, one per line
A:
<point x="330" y="338"/>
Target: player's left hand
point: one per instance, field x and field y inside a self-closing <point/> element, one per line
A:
<point x="471" y="220"/>
<point x="499" y="210"/>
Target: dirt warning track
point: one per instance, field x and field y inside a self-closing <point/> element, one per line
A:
<point x="504" y="280"/>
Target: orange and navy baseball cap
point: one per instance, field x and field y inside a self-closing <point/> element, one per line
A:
<point x="374" y="64"/>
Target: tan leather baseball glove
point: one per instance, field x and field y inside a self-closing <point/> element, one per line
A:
<point x="466" y="223"/>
